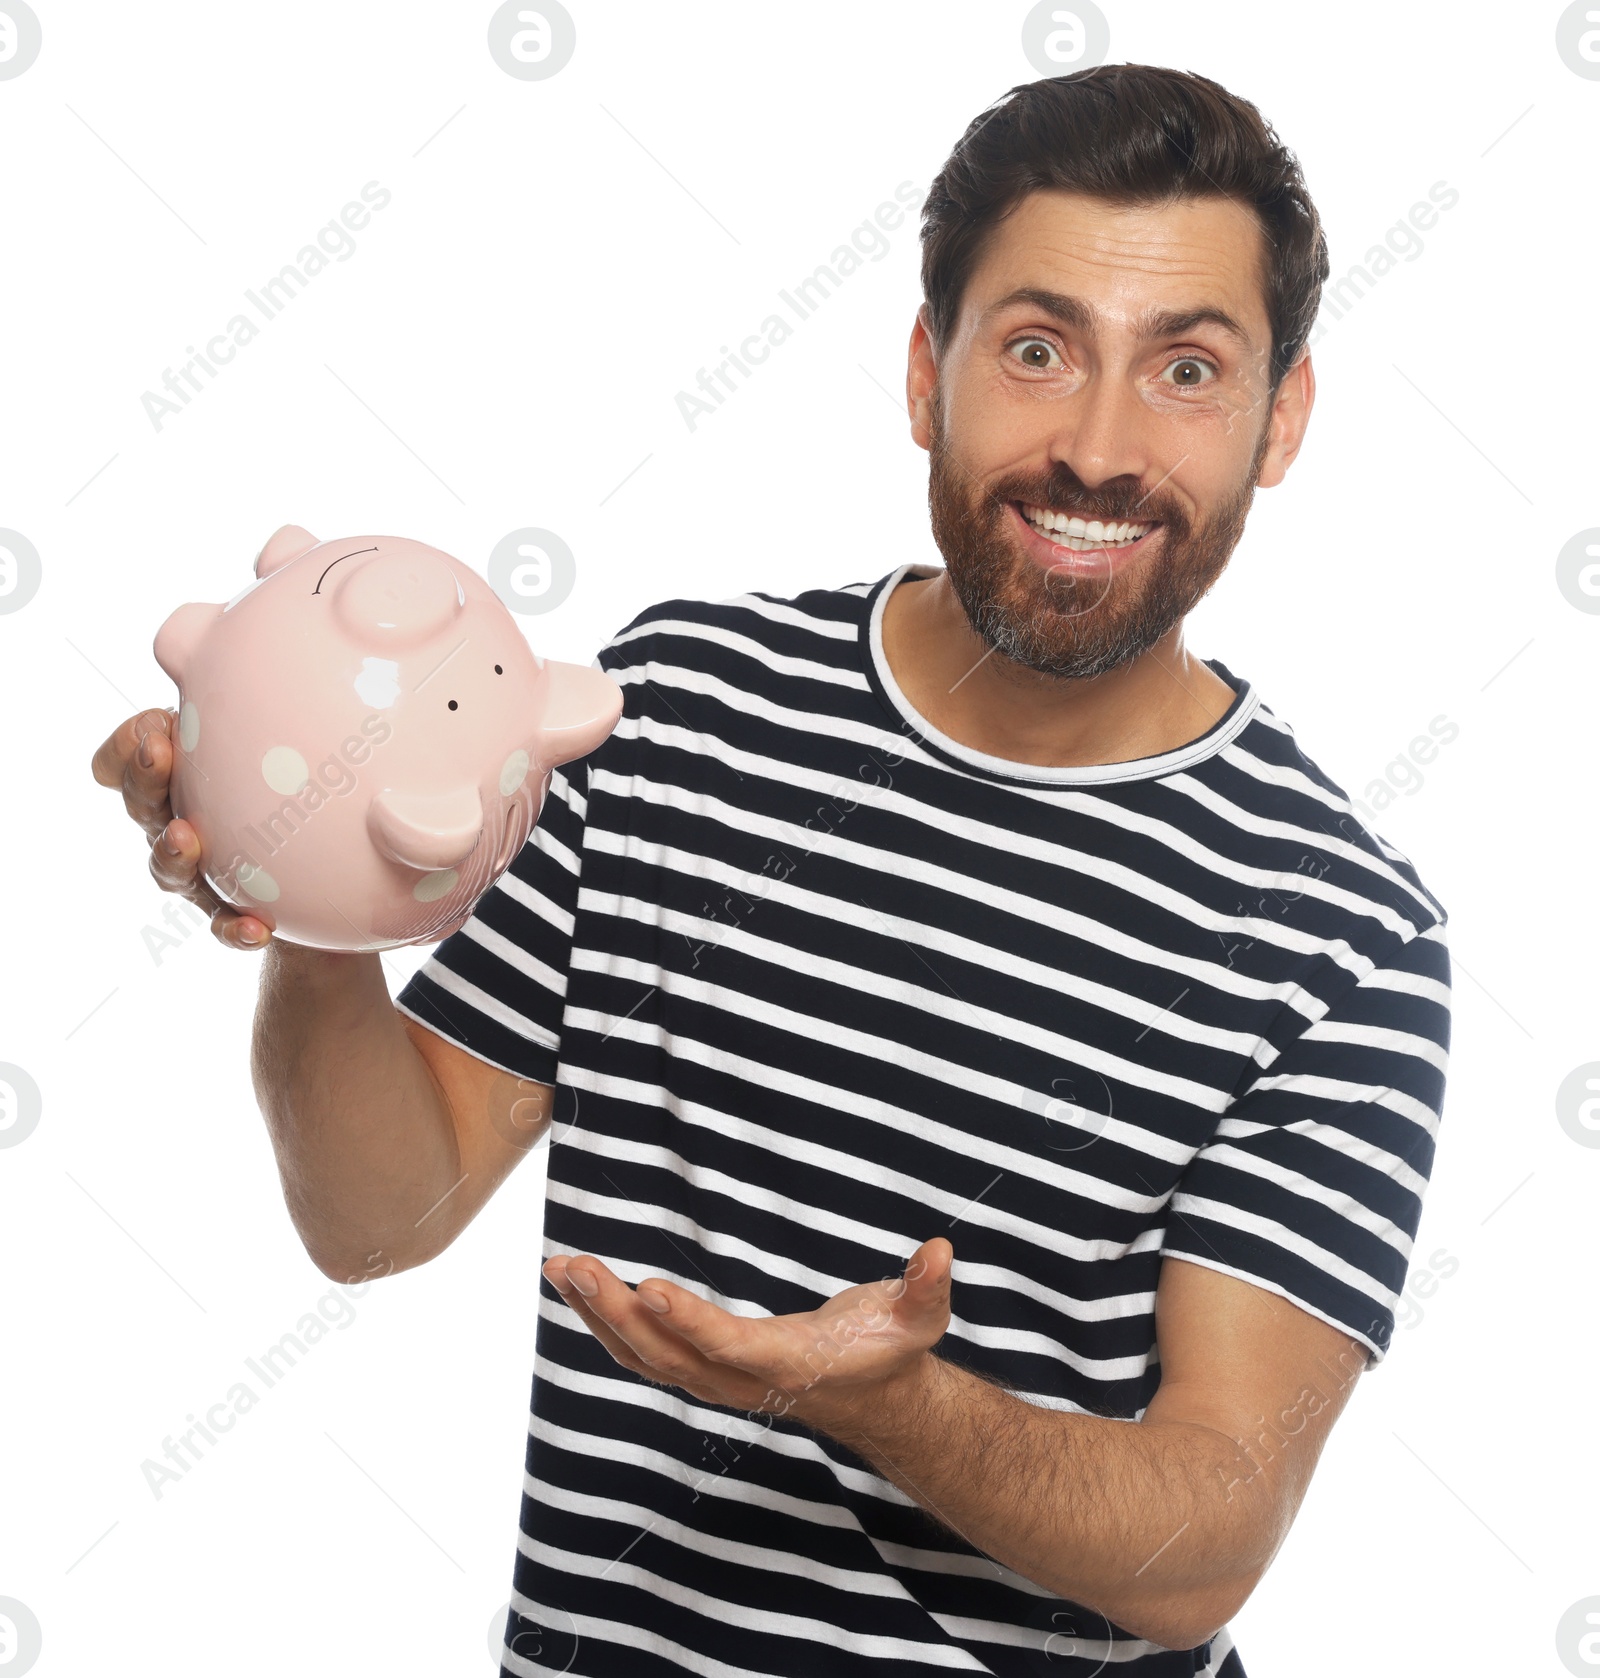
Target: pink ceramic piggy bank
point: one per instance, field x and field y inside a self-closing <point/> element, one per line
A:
<point x="364" y="738"/>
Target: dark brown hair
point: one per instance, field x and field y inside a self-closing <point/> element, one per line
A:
<point x="1129" y="134"/>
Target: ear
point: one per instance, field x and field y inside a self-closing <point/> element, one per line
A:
<point x="922" y="375"/>
<point x="284" y="544"/>
<point x="1287" y="421"/>
<point x="582" y="706"/>
<point x="178" y="637"/>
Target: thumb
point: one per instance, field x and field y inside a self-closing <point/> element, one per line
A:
<point x="924" y="1288"/>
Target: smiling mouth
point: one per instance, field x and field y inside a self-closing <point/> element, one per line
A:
<point x="1083" y="535"/>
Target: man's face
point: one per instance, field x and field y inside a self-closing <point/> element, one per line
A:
<point x="1108" y="364"/>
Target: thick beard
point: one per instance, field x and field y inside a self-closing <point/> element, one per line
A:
<point x="1052" y="621"/>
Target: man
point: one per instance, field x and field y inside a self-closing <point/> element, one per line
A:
<point x="993" y="1075"/>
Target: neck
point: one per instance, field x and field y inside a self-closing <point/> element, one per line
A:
<point x="1157" y="702"/>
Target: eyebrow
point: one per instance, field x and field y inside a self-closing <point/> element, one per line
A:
<point x="1153" y="323"/>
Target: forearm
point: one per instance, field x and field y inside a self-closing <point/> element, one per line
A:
<point x="364" y="1140"/>
<point x="1163" y="1527"/>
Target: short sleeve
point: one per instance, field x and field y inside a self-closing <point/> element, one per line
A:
<point x="497" y="986"/>
<point x="1312" y="1184"/>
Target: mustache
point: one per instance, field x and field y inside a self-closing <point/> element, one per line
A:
<point x="1111" y="504"/>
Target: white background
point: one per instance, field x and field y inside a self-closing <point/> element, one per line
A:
<point x="558" y="260"/>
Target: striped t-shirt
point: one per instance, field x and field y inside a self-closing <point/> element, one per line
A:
<point x="815" y="982"/>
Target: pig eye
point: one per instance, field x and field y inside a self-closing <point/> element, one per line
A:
<point x="498" y="671"/>
<point x="452" y="704"/>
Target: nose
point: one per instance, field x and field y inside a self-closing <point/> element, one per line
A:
<point x="1105" y="433"/>
<point x="398" y="599"/>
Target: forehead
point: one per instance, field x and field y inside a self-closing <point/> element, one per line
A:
<point x="1124" y="259"/>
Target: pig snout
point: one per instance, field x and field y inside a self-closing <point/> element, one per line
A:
<point x="396" y="599"/>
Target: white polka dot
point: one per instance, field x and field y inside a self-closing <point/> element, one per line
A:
<point x="513" y="772"/>
<point x="378" y="684"/>
<point x="284" y="770"/>
<point x="257" y="883"/>
<point x="433" y="886"/>
<point x="189" y="725"/>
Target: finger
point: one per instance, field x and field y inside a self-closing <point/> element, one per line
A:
<point x="665" y="1354"/>
<point x="921" y="1294"/>
<point x="240" y="932"/>
<point x="112" y="754"/>
<point x="778" y="1358"/>
<point x="175" y="860"/>
<point x="175" y="866"/>
<point x="607" y="1297"/>
<point x="912" y="1310"/>
<point x="147" y="773"/>
<point x="621" y="1352"/>
<point x="716" y="1334"/>
<point x="555" y="1274"/>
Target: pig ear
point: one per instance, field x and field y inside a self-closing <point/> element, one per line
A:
<point x="582" y="708"/>
<point x="178" y="637"/>
<point x="284" y="544"/>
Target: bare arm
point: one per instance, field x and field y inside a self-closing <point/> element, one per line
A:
<point x="389" y="1138"/>
<point x="1163" y="1525"/>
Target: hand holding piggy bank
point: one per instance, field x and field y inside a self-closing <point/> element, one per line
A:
<point x="364" y="738"/>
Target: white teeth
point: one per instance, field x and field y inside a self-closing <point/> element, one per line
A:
<point x="1075" y="533"/>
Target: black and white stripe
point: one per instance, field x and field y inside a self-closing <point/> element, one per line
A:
<point x="814" y="983"/>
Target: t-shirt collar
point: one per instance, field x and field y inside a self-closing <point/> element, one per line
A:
<point x="1227" y="728"/>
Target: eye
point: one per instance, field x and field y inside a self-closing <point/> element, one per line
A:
<point x="498" y="671"/>
<point x="1189" y="371"/>
<point x="452" y="704"/>
<point x="1035" y="353"/>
